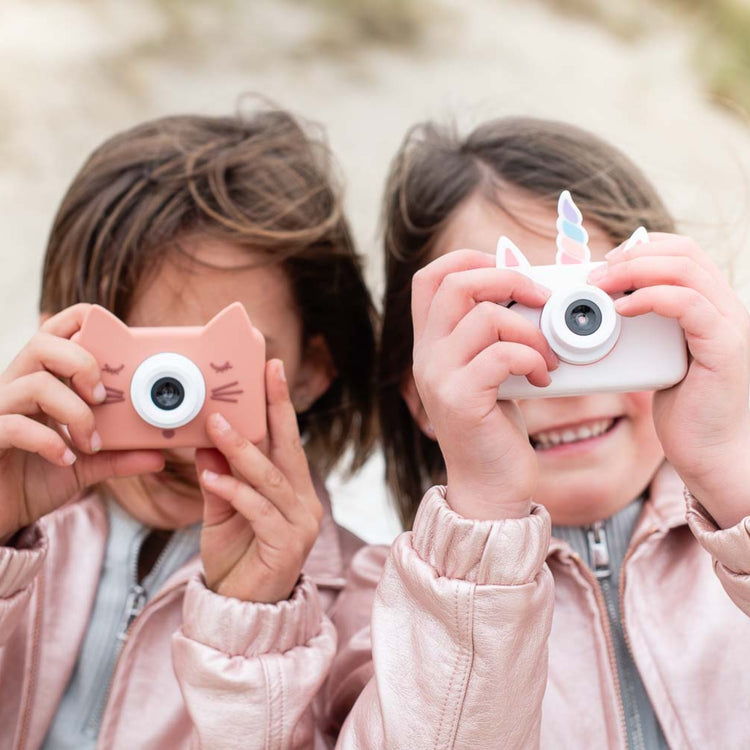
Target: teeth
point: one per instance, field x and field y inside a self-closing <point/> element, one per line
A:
<point x="552" y="437"/>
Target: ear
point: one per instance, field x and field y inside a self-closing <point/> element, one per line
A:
<point x="639" y="237"/>
<point x="314" y="376"/>
<point x="414" y="404"/>
<point x="508" y="255"/>
<point x="231" y="319"/>
<point x="101" y="326"/>
<point x="572" y="239"/>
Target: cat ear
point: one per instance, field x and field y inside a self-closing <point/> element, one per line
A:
<point x="101" y="325"/>
<point x="229" y="320"/>
<point x="508" y="255"/>
<point x="639" y="237"/>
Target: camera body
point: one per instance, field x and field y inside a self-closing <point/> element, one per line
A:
<point x="598" y="349"/>
<point x="163" y="382"/>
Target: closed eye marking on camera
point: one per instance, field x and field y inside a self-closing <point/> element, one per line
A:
<point x="113" y="370"/>
<point x="224" y="392"/>
<point x="114" y="395"/>
<point x="221" y="368"/>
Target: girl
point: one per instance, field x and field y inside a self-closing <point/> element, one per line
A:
<point x="105" y="559"/>
<point x="552" y="593"/>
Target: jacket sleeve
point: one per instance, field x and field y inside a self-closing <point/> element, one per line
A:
<point x="19" y="566"/>
<point x="249" y="672"/>
<point x="729" y="548"/>
<point x="460" y="627"/>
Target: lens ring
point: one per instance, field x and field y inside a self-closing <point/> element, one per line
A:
<point x="159" y="374"/>
<point x="167" y="393"/>
<point x="583" y="317"/>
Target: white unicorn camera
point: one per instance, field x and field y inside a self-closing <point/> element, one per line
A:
<point x="599" y="350"/>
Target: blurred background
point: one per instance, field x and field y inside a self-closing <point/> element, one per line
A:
<point x="668" y="82"/>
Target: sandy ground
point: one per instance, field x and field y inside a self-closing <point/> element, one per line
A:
<point x="72" y="73"/>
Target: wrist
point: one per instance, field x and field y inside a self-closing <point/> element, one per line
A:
<point x="487" y="500"/>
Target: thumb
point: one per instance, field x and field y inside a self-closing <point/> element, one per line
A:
<point x="109" y="464"/>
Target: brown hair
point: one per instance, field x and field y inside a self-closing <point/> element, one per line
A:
<point x="259" y="181"/>
<point x="434" y="171"/>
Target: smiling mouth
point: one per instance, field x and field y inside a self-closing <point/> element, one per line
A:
<point x="546" y="439"/>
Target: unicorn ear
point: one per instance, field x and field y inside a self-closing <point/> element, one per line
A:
<point x="508" y="255"/>
<point x="639" y="237"/>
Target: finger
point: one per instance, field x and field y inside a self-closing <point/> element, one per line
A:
<point x="461" y="292"/>
<point x="216" y="509"/>
<point x="67" y="322"/>
<point x="496" y="363"/>
<point x="427" y="280"/>
<point x="647" y="271"/>
<point x="62" y="358"/>
<point x="488" y="323"/>
<point x="111" y="464"/>
<point x="286" y="450"/>
<point x="23" y="433"/>
<point x="256" y="469"/>
<point x="698" y="317"/>
<point x="265" y="517"/>
<point x="43" y="392"/>
<point x="666" y="245"/>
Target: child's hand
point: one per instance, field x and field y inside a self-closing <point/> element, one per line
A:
<point x="39" y="467"/>
<point x="703" y="422"/>
<point x="465" y="346"/>
<point x="261" y="513"/>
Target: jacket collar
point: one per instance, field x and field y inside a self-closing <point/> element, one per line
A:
<point x="324" y="565"/>
<point x="663" y="509"/>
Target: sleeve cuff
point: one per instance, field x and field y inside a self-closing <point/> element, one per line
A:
<point x="730" y="547"/>
<point x="507" y="552"/>
<point x="250" y="629"/>
<point x="20" y="564"/>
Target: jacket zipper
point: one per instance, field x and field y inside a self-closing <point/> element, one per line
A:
<point x="131" y="627"/>
<point x="137" y="596"/>
<point x="600" y="559"/>
<point x="621" y="592"/>
<point x="29" y="699"/>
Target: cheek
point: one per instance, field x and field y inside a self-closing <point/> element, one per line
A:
<point x="639" y="411"/>
<point x="638" y="406"/>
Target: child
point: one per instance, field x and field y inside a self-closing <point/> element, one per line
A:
<point x="611" y="629"/>
<point x="166" y="224"/>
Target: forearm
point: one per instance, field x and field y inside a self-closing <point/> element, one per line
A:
<point x="250" y="672"/>
<point x="460" y="626"/>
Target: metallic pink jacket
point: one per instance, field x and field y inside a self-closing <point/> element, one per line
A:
<point x="465" y="647"/>
<point x="239" y="674"/>
<point x="487" y="634"/>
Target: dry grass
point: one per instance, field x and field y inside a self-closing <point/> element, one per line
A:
<point x="721" y="29"/>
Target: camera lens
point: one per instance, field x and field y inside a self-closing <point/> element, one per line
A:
<point x="167" y="393"/>
<point x="583" y="317"/>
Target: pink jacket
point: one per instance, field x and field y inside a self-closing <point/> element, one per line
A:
<point x="240" y="675"/>
<point x="490" y="635"/>
<point x="468" y="653"/>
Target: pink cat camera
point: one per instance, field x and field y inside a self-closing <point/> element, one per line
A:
<point x="162" y="383"/>
<point x="599" y="350"/>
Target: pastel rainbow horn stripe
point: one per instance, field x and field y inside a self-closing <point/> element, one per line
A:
<point x="572" y="238"/>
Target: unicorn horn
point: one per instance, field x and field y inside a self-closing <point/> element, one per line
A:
<point x="572" y="239"/>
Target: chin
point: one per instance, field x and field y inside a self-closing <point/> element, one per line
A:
<point x="578" y="505"/>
